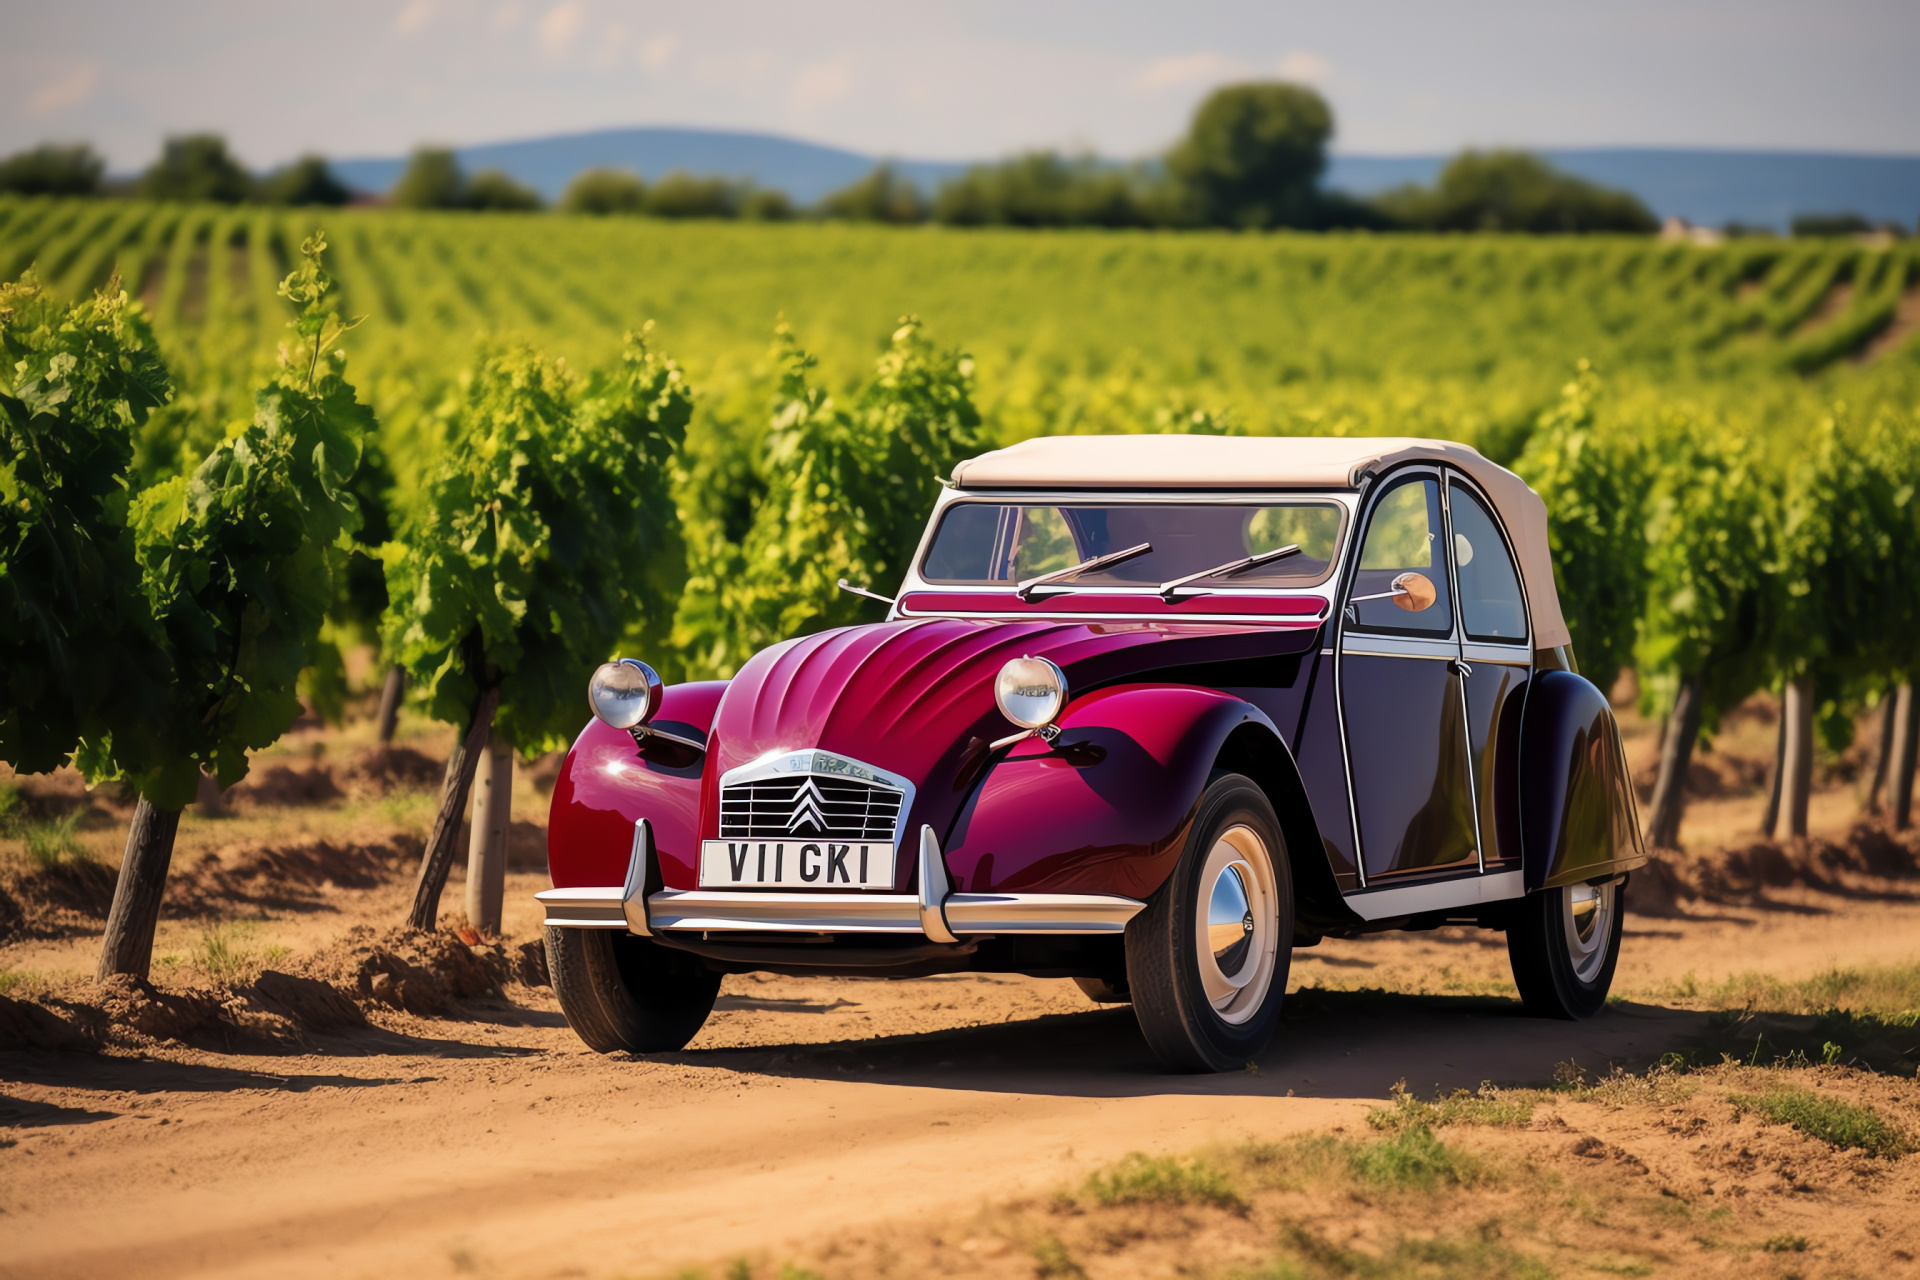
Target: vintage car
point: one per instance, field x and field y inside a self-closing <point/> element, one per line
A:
<point x="1148" y="713"/>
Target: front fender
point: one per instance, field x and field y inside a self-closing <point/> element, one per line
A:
<point x="1105" y="809"/>
<point x="607" y="783"/>
<point x="1577" y="815"/>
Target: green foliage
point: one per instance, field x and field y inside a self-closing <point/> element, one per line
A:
<point x="604" y="191"/>
<point x="76" y="649"/>
<point x="758" y="205"/>
<point x="307" y="181"/>
<point x="844" y="492"/>
<point x="238" y="565"/>
<point x="197" y="167"/>
<point x="1595" y="491"/>
<point x="1143" y="1179"/>
<point x="1499" y="1108"/>
<point x="1836" y="1123"/>
<point x="1252" y="155"/>
<point x="1515" y="191"/>
<point x="53" y="844"/>
<point x="433" y="180"/>
<point x="883" y="195"/>
<point x="1829" y="224"/>
<point x="681" y="195"/>
<point x="1413" y="1159"/>
<point x="1044" y="189"/>
<point x="53" y="170"/>
<point x="1711" y="602"/>
<point x="493" y="189"/>
<point x="542" y="536"/>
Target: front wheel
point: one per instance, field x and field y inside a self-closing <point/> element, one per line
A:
<point x="626" y="993"/>
<point x="1207" y="960"/>
<point x="1564" y="944"/>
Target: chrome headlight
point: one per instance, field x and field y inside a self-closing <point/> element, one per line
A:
<point x="1030" y="692"/>
<point x="625" y="693"/>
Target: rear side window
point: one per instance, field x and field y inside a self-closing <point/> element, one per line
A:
<point x="1490" y="602"/>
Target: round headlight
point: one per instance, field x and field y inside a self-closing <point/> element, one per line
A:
<point x="625" y="693"/>
<point x="1030" y="692"/>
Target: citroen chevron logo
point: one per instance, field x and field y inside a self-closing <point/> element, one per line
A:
<point x="806" y="808"/>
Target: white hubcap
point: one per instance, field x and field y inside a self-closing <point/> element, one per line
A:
<point x="1235" y="929"/>
<point x="1589" y="926"/>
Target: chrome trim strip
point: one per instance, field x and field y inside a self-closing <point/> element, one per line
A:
<point x="701" y="910"/>
<point x="587" y="907"/>
<point x="1416" y="899"/>
<point x="706" y="910"/>
<point x="1373" y="646"/>
<point x="1041" y="912"/>
<point x="1497" y="654"/>
<point x="933" y="888"/>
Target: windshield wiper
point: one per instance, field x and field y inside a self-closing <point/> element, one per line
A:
<point x="1227" y="570"/>
<point x="1026" y="589"/>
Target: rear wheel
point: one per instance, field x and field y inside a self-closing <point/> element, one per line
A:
<point x="626" y="993"/>
<point x="1564" y="944"/>
<point x="1207" y="960"/>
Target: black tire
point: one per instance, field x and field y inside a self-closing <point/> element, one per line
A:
<point x="623" y="993"/>
<point x="1187" y="1028"/>
<point x="1560" y="973"/>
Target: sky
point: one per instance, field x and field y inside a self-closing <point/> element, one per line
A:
<point x="954" y="81"/>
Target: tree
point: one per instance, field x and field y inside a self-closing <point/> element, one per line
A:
<point x="1253" y="154"/>
<point x="433" y="180"/>
<point x="681" y="195"/>
<point x="53" y="170"/>
<point x="78" y="652"/>
<point x="197" y="167"/>
<point x="761" y="204"/>
<point x="1515" y="191"/>
<point x="238" y="566"/>
<point x="494" y="189"/>
<point x="844" y="492"/>
<point x="1703" y="638"/>
<point x="1044" y="189"/>
<point x="528" y="555"/>
<point x="605" y="191"/>
<point x="882" y="196"/>
<point x="1595" y="491"/>
<point x="307" y="181"/>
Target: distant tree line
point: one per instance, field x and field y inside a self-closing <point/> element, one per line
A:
<point x="1252" y="158"/>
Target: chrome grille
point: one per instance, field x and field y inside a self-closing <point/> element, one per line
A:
<point x="809" y="806"/>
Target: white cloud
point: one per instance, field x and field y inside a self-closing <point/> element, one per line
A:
<point x="821" y="82"/>
<point x="561" y="25"/>
<point x="1189" y="69"/>
<point x="71" y="90"/>
<point x="655" y="52"/>
<point x="1304" y="68"/>
<point x="413" y="17"/>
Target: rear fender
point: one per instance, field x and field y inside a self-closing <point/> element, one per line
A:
<point x="1577" y="815"/>
<point x="608" y="782"/>
<point x="1106" y="807"/>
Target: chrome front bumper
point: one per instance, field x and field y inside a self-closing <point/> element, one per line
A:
<point x="935" y="912"/>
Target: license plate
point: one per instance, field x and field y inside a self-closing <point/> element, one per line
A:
<point x="796" y="864"/>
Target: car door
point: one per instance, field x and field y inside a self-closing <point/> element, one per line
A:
<point x="1403" y="709"/>
<point x="1497" y="651"/>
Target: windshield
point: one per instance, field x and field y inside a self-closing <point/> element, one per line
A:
<point x="982" y="543"/>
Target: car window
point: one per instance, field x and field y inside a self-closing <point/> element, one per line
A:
<point x="994" y="543"/>
<point x="1404" y="535"/>
<point x="1491" y="606"/>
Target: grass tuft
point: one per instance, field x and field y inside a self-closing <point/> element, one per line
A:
<point x="53" y="844"/>
<point x="1837" y="1123"/>
<point x="225" y="956"/>
<point x="1413" y="1160"/>
<point x="1052" y="1261"/>
<point x="1499" y="1108"/>
<point x="1785" y="1244"/>
<point x="1142" y="1179"/>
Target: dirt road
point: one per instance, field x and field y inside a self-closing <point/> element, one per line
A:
<point x="494" y="1145"/>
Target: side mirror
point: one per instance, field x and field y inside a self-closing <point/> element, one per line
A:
<point x="1413" y="592"/>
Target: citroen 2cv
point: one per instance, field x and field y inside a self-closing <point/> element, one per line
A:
<point x="1148" y="713"/>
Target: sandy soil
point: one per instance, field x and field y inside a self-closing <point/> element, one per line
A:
<point x="807" y="1114"/>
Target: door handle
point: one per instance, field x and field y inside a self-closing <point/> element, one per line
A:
<point x="1460" y="666"/>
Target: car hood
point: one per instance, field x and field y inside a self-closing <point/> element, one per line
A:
<point x="910" y="697"/>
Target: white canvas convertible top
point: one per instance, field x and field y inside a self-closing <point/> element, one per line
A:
<point x="1275" y="462"/>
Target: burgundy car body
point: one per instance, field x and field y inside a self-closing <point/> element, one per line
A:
<point x="1033" y="857"/>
